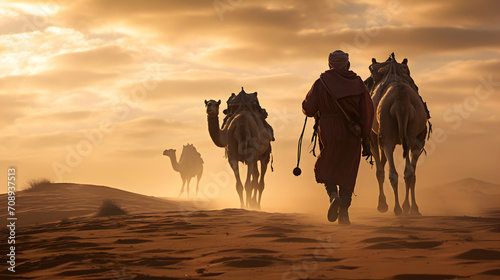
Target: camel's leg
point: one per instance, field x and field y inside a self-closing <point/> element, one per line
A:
<point x="379" y="165"/>
<point x="182" y="189"/>
<point x="239" y="185"/>
<point x="383" y="206"/>
<point x="416" y="151"/>
<point x="255" y="181"/>
<point x="248" y="183"/>
<point x="393" y="175"/>
<point x="263" y="169"/>
<point x="197" y="184"/>
<point x="409" y="176"/>
<point x="414" y="207"/>
<point x="187" y="186"/>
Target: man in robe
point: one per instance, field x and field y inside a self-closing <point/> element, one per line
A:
<point x="340" y="150"/>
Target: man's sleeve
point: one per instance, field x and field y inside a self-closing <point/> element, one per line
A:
<point x="366" y="115"/>
<point x="310" y="103"/>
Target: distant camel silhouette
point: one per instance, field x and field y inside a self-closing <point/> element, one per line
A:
<point x="190" y="165"/>
<point x="400" y="118"/>
<point x="247" y="137"/>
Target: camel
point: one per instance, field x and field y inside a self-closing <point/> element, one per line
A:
<point x="400" y="119"/>
<point x="246" y="139"/>
<point x="190" y="165"/>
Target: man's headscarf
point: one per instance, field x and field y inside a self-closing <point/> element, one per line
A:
<point x="338" y="60"/>
<point x="339" y="79"/>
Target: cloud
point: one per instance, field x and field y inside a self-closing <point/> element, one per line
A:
<point x="28" y="53"/>
<point x="101" y="59"/>
<point x="15" y="21"/>
<point x="460" y="79"/>
<point x="56" y="80"/>
<point x="121" y="135"/>
<point x="64" y="120"/>
<point x="460" y="13"/>
<point x="463" y="98"/>
<point x="89" y="15"/>
<point x="193" y="86"/>
<point x="26" y="145"/>
<point x="13" y="107"/>
<point x="145" y="128"/>
<point x="416" y="42"/>
<point x="293" y="29"/>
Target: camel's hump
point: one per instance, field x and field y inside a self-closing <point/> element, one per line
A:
<point x="190" y="154"/>
<point x="243" y="97"/>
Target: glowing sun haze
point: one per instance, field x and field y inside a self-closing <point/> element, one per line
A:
<point x="93" y="91"/>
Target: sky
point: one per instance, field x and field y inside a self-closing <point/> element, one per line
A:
<point x="93" y="91"/>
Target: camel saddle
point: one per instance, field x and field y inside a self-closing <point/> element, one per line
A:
<point x="248" y="101"/>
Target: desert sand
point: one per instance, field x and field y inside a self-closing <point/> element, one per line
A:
<point x="59" y="238"/>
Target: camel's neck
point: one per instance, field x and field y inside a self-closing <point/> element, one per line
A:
<point x="175" y="164"/>
<point x="216" y="133"/>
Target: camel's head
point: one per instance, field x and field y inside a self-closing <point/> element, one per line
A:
<point x="212" y="107"/>
<point x="379" y="69"/>
<point x="169" y="152"/>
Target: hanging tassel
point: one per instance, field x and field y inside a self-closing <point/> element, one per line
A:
<point x="315" y="135"/>
<point x="296" y="170"/>
<point x="272" y="160"/>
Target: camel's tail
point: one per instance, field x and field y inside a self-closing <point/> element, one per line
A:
<point x="403" y="132"/>
<point x="404" y="140"/>
<point x="402" y="117"/>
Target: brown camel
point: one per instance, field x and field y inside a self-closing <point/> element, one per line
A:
<point x="246" y="139"/>
<point x="190" y="165"/>
<point x="400" y="118"/>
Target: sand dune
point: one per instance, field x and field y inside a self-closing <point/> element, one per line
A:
<point x="62" y="201"/>
<point x="464" y="197"/>
<point x="172" y="243"/>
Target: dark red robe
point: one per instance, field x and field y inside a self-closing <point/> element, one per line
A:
<point x="340" y="150"/>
